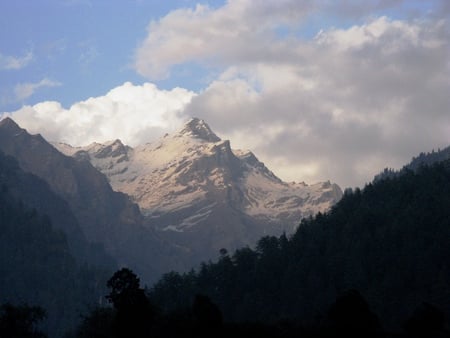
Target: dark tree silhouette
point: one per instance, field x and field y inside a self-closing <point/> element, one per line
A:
<point x="206" y="312"/>
<point x="207" y="316"/>
<point x="134" y="313"/>
<point x="97" y="325"/>
<point x="426" y="321"/>
<point x="21" y="321"/>
<point x="350" y="316"/>
<point x="390" y="241"/>
<point x="125" y="288"/>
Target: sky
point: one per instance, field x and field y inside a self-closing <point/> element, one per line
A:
<point x="318" y="90"/>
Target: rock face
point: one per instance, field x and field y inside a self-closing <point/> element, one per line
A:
<point x="202" y="195"/>
<point x="105" y="216"/>
<point x="35" y="193"/>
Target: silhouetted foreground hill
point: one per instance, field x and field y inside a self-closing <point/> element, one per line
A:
<point x="424" y="159"/>
<point x="376" y="263"/>
<point x="106" y="218"/>
<point x="37" y="194"/>
<point x="37" y="264"/>
<point x="390" y="241"/>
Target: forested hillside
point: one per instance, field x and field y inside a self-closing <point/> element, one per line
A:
<point x="424" y="159"/>
<point x="390" y="241"/>
<point x="37" y="265"/>
<point x="377" y="262"/>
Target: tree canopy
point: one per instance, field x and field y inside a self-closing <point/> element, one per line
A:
<point x="390" y="241"/>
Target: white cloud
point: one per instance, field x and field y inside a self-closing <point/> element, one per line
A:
<point x="358" y="36"/>
<point x="341" y="106"/>
<point x="14" y="63"/>
<point x="241" y="30"/>
<point x="25" y="90"/>
<point x="134" y="114"/>
<point x="353" y="102"/>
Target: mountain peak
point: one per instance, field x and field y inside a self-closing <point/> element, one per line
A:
<point x="9" y="123"/>
<point x="199" y="129"/>
<point x="112" y="149"/>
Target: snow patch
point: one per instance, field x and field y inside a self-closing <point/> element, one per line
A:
<point x="187" y="223"/>
<point x="186" y="169"/>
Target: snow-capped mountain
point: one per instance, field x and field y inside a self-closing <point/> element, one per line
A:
<point x="192" y="186"/>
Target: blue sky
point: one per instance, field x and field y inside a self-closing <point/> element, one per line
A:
<point x="317" y="89"/>
<point x="85" y="46"/>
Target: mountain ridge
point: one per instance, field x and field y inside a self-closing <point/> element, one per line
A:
<point x="193" y="182"/>
<point x="423" y="159"/>
<point x="170" y="204"/>
<point x="105" y="216"/>
<point x="203" y="140"/>
<point x="389" y="240"/>
<point x="44" y="256"/>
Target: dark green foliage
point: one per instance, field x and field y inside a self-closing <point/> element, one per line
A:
<point x="424" y="159"/>
<point x="21" y="321"/>
<point x="176" y="291"/>
<point x="206" y="314"/>
<point x="98" y="324"/>
<point x="426" y="321"/>
<point x="429" y="158"/>
<point x="125" y="289"/>
<point x="134" y="314"/>
<point x="350" y="316"/>
<point x="390" y="241"/>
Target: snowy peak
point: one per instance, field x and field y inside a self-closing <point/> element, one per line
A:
<point x="199" y="129"/>
<point x="110" y="158"/>
<point x="193" y="185"/>
<point x="247" y="157"/>
<point x="198" y="192"/>
<point x="112" y="149"/>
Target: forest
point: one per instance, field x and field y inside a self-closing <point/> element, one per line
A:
<point x="376" y="265"/>
<point x="389" y="243"/>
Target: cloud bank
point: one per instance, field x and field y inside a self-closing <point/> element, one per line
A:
<point x="239" y="31"/>
<point x="336" y="103"/>
<point x="342" y="105"/>
<point x="134" y="114"/>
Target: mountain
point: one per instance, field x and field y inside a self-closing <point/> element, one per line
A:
<point x="202" y="195"/>
<point x="39" y="263"/>
<point x="390" y="241"/>
<point x="105" y="217"/>
<point x="36" y="193"/>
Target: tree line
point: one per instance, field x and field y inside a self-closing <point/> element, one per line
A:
<point x="389" y="240"/>
<point x="376" y="264"/>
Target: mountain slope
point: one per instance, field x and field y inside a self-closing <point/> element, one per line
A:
<point x="203" y="195"/>
<point x="105" y="216"/>
<point x="423" y="159"/>
<point x="36" y="193"/>
<point x="39" y="265"/>
<point x="390" y="241"/>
